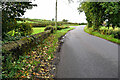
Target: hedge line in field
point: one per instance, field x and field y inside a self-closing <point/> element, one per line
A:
<point x="25" y="44"/>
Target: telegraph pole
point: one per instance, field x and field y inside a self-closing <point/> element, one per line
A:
<point x="56" y="16"/>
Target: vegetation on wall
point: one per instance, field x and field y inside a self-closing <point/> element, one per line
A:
<point x="35" y="62"/>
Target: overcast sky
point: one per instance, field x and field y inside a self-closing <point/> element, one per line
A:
<point x="46" y="10"/>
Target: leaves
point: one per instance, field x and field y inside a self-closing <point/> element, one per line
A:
<point x="38" y="62"/>
<point x="11" y="10"/>
<point x="97" y="12"/>
<point x="110" y="12"/>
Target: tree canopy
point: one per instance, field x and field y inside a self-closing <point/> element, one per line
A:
<point x="98" y="12"/>
<point x="64" y="20"/>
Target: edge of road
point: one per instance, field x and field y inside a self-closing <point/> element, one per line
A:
<point x="57" y="60"/>
<point x="101" y="37"/>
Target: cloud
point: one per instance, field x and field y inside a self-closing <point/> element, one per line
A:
<point x="46" y="10"/>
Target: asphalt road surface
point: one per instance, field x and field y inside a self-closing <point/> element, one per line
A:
<point x="86" y="56"/>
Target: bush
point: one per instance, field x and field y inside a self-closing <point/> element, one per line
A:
<point x="109" y="32"/>
<point x="116" y="34"/>
<point x="25" y="29"/>
<point x="52" y="28"/>
<point x="104" y="31"/>
<point x="62" y="27"/>
<point x="21" y="30"/>
<point x="38" y="25"/>
<point x="82" y="23"/>
<point x="8" y="24"/>
<point x="12" y="35"/>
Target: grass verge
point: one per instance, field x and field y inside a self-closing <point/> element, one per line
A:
<point x="48" y="50"/>
<point x="107" y="37"/>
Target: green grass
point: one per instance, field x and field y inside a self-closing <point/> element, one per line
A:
<point x="48" y="49"/>
<point x="26" y="21"/>
<point x="107" y="37"/>
<point x="63" y="31"/>
<point x="52" y="42"/>
<point x="38" y="30"/>
<point x="41" y="22"/>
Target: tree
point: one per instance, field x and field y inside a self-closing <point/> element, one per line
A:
<point x="112" y="13"/>
<point x="12" y="10"/>
<point x="85" y="7"/>
<point x="98" y="12"/>
<point x="53" y="19"/>
<point x="64" y="20"/>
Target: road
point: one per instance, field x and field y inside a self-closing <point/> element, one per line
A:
<point x="85" y="56"/>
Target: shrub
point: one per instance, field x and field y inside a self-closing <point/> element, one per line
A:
<point x="62" y="27"/>
<point x="12" y="36"/>
<point x="25" y="29"/>
<point x="52" y="28"/>
<point x="38" y="25"/>
<point x="109" y="32"/>
<point x="21" y="30"/>
<point x="116" y="34"/>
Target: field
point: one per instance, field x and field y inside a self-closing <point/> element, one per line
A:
<point x="44" y="23"/>
<point x="37" y="30"/>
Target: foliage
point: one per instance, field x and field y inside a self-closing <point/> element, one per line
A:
<point x="112" y="13"/>
<point x="11" y="68"/>
<point x="37" y="63"/>
<point x="53" y="19"/>
<point x="12" y="36"/>
<point x="23" y="45"/>
<point x="98" y="12"/>
<point x="14" y="55"/>
<point x="64" y="20"/>
<point x="11" y="10"/>
<point x="111" y="31"/>
<point x="22" y="30"/>
<point x="108" y="35"/>
<point x="82" y="23"/>
<point x="50" y="27"/>
<point x="25" y="28"/>
<point x="44" y="23"/>
<point x="26" y="21"/>
<point x="62" y="27"/>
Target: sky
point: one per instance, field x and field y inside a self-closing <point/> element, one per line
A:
<point x="46" y="10"/>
